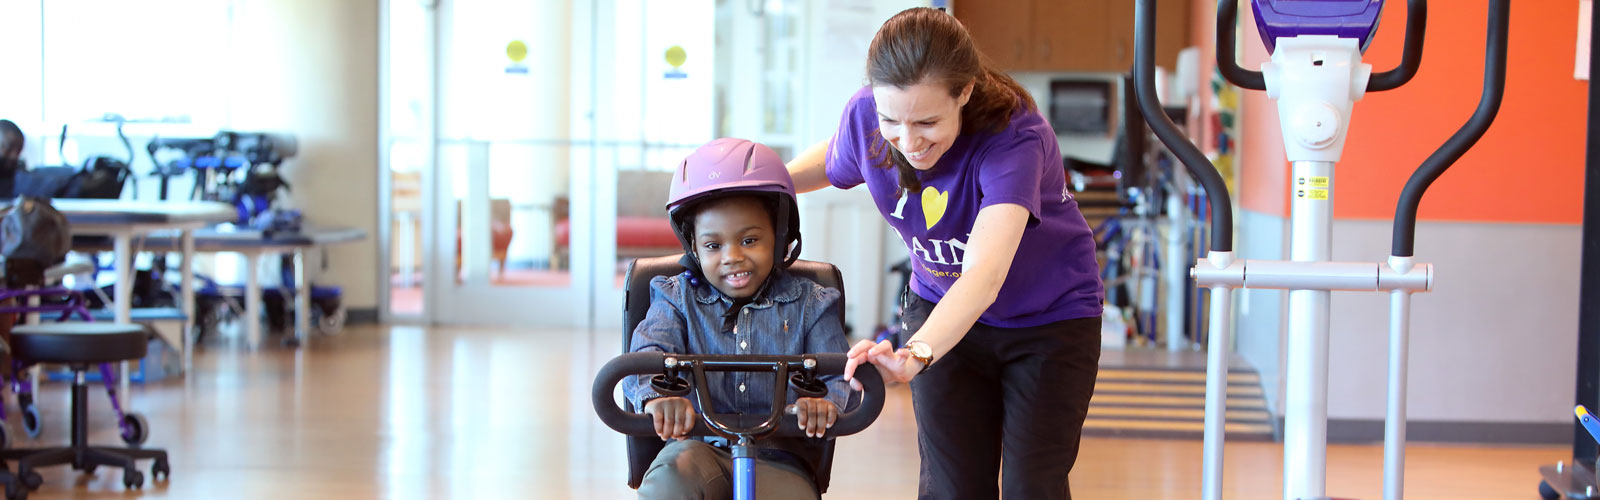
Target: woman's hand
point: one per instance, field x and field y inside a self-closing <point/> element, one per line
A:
<point x="674" y="417"/>
<point x="893" y="365"/>
<point x="996" y="234"/>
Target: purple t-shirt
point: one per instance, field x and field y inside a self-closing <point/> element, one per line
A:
<point x="1054" y="275"/>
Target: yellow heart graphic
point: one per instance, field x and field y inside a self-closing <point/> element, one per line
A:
<point x="933" y="205"/>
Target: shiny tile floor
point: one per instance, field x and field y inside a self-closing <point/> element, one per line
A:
<point x="412" y="412"/>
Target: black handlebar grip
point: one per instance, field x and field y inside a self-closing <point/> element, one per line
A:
<point x="654" y="363"/>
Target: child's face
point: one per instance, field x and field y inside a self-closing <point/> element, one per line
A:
<point x="734" y="240"/>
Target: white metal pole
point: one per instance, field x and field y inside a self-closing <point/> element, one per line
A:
<point x="1394" y="421"/>
<point x="1306" y="412"/>
<point x="1216" y="387"/>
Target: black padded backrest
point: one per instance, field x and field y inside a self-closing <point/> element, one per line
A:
<point x="636" y="302"/>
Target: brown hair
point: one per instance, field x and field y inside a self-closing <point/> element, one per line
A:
<point x="927" y="45"/>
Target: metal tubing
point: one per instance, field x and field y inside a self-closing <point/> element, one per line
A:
<point x="1494" y="87"/>
<point x="1199" y="166"/>
<point x="1394" y="420"/>
<point x="1411" y="53"/>
<point x="1216" y="392"/>
<point x="1306" y="412"/>
<point x="1418" y="278"/>
<point x="1227" y="61"/>
<point x="186" y="294"/>
<point x="122" y="243"/>
<point x="1173" y="279"/>
<point x="1291" y="275"/>
<point x="744" y="472"/>
<point x="1207" y="275"/>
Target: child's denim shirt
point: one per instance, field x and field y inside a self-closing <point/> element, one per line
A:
<point x="797" y="316"/>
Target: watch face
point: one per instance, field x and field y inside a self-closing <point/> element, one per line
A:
<point x="921" y="350"/>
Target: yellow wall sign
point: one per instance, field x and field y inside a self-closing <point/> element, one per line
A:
<point x="676" y="56"/>
<point x="517" y="51"/>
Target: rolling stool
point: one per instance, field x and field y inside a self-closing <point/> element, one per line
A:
<point x="81" y="345"/>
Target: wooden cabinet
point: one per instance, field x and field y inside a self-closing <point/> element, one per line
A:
<point x="1000" y="29"/>
<point x="1119" y="42"/>
<point x="1069" y="35"/>
<point x="1075" y="35"/>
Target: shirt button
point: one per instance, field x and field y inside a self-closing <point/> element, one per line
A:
<point x="741" y="387"/>
<point x="744" y="345"/>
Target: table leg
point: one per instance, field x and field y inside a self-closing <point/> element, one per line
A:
<point x="302" y="298"/>
<point x="252" y="299"/>
<point x="186" y="294"/>
<point x="123" y="295"/>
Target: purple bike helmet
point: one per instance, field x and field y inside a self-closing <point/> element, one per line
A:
<point x="731" y="167"/>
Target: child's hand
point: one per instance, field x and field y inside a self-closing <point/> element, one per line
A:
<point x="674" y="417"/>
<point x="816" y="415"/>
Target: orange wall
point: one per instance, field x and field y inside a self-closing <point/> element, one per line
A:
<point x="1527" y="168"/>
<point x="1263" y="171"/>
<point x="1203" y="34"/>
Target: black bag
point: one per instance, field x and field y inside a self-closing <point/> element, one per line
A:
<point x="31" y="229"/>
<point x="101" y="177"/>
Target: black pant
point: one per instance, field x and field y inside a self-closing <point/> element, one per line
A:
<point x="1018" y="394"/>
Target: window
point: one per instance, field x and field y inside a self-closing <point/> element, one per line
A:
<point x="156" y="61"/>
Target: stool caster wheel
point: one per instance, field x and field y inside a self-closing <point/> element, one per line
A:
<point x="1546" y="492"/>
<point x="160" y="471"/>
<point x="332" y="318"/>
<point x="135" y="429"/>
<point x="89" y="469"/>
<point x="32" y="480"/>
<point x="132" y="479"/>
<point x="31" y="423"/>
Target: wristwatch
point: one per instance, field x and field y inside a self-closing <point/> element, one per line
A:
<point x="922" y="352"/>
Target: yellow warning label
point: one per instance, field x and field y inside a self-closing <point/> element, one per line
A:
<point x="1318" y="194"/>
<point x="1317" y="182"/>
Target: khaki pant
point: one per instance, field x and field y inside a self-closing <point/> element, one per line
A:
<point x="688" y="469"/>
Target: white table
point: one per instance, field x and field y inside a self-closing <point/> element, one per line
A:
<point x="124" y="220"/>
<point x="255" y="245"/>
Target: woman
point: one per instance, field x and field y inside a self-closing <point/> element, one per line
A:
<point x="1005" y="284"/>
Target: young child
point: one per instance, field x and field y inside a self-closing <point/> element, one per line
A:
<point x="11" y="142"/>
<point x="732" y="205"/>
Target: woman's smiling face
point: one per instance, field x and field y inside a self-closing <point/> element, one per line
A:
<point x="921" y="121"/>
